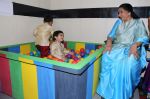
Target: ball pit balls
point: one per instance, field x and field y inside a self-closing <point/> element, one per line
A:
<point x="87" y="51"/>
<point x="85" y="55"/>
<point x="69" y="56"/>
<point x="82" y="54"/>
<point x="34" y="53"/>
<point x="82" y="59"/>
<point x="38" y="52"/>
<point x="70" y="60"/>
<point x="73" y="57"/>
<point x="79" y="56"/>
<point x="54" y="58"/>
<point x="92" y="51"/>
<point x="76" y="55"/>
<point x="72" y="50"/>
<point x="66" y="60"/>
<point x="74" y="62"/>
<point x="77" y="52"/>
<point x="82" y="50"/>
<point x="49" y="56"/>
<point x="31" y="54"/>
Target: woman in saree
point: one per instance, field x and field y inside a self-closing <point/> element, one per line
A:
<point x="124" y="56"/>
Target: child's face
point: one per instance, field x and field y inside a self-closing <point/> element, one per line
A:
<point x="60" y="37"/>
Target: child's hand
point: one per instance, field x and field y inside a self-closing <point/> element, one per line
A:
<point x="71" y="53"/>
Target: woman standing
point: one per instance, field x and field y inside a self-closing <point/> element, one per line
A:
<point x="124" y="56"/>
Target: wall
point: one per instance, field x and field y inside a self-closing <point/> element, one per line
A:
<point x="76" y="29"/>
<point x="89" y="29"/>
<point x="72" y="4"/>
<point x="37" y="3"/>
<point x="18" y="29"/>
<point x="84" y="29"/>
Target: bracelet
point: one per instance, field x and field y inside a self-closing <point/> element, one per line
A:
<point x="108" y="46"/>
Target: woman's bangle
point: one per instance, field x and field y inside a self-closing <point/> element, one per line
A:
<point x="108" y="45"/>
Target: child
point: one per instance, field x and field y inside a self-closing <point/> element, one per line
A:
<point x="42" y="34"/>
<point x="57" y="47"/>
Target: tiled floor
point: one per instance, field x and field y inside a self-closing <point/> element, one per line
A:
<point x="136" y="96"/>
<point x="3" y="96"/>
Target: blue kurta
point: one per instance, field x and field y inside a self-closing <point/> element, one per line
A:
<point x="120" y="73"/>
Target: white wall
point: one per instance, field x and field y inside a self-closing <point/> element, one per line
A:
<point x="17" y="29"/>
<point x="89" y="29"/>
<point x="72" y="4"/>
<point x="37" y="3"/>
<point x="86" y="29"/>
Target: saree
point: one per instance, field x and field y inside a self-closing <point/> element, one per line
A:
<point x="120" y="72"/>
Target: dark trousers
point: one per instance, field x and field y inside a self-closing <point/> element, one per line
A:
<point x="44" y="50"/>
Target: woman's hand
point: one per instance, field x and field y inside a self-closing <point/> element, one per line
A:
<point x="108" y="45"/>
<point x="107" y="48"/>
<point x="133" y="50"/>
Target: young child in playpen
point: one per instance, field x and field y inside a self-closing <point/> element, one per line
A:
<point x="57" y="47"/>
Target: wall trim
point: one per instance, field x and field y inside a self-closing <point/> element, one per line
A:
<point x="111" y="12"/>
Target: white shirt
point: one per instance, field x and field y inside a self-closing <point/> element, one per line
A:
<point x="42" y="34"/>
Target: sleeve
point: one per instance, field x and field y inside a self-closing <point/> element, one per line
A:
<point x="141" y="34"/>
<point x="113" y="31"/>
<point x="51" y="36"/>
<point x="50" y="33"/>
<point x="66" y="51"/>
<point x="50" y="30"/>
<point x="53" y="49"/>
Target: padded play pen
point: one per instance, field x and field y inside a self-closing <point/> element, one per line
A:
<point x="29" y="77"/>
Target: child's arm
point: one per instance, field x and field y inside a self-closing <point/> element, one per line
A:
<point x="53" y="49"/>
<point x="66" y="51"/>
<point x="50" y="34"/>
<point x="35" y="32"/>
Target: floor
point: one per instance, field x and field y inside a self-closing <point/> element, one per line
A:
<point x="3" y="96"/>
<point x="136" y="96"/>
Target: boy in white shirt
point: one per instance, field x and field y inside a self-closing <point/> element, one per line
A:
<point x="42" y="34"/>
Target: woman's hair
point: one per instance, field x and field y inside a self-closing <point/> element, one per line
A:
<point x="56" y="33"/>
<point x="128" y="7"/>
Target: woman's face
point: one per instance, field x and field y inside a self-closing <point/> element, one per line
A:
<point x="123" y="14"/>
<point x="60" y="37"/>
